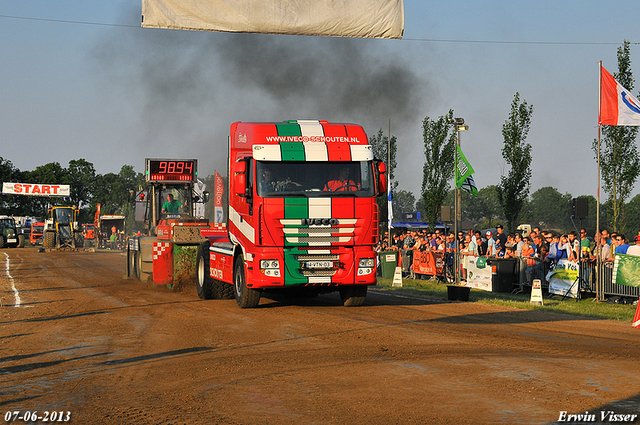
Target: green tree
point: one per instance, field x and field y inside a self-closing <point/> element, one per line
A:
<point x="51" y="173"/>
<point x="381" y="147"/>
<point x="403" y="201"/>
<point x="112" y="191"/>
<point x="632" y="217"/>
<point x="485" y="206"/>
<point x="82" y="176"/>
<point x="551" y="208"/>
<point x="619" y="159"/>
<point x="439" y="150"/>
<point x="9" y="173"/>
<point x="513" y="190"/>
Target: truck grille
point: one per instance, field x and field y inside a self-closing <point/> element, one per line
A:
<point x="297" y="232"/>
<point x="317" y="257"/>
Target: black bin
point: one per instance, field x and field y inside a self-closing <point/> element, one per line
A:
<point x="503" y="271"/>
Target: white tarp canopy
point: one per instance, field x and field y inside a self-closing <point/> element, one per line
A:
<point x="335" y="18"/>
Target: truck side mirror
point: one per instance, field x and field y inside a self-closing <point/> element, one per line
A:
<point x="240" y="183"/>
<point x="205" y="196"/>
<point x="382" y="178"/>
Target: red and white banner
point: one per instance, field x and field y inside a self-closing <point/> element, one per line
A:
<point x="34" y="189"/>
<point x="219" y="215"/>
<point x="617" y="105"/>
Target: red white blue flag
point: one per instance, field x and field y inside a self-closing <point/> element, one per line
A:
<point x="617" y="105"/>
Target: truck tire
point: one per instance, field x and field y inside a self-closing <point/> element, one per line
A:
<point x="353" y="296"/>
<point x="226" y="290"/>
<point x="21" y="243"/>
<point x="204" y="282"/>
<point x="2" y="242"/>
<point x="49" y="240"/>
<point x="245" y="297"/>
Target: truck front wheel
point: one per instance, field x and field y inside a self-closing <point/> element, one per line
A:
<point x="353" y="296"/>
<point x="245" y="297"/>
<point x="204" y="287"/>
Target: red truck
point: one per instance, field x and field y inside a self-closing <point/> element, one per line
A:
<point x="37" y="233"/>
<point x="302" y="214"/>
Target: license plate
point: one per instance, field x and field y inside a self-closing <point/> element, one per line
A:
<point x="12" y="240"/>
<point x="319" y="264"/>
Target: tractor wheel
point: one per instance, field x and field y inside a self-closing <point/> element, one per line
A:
<point x="21" y="241"/>
<point x="3" y="242"/>
<point x="78" y="239"/>
<point x="145" y="258"/>
<point x="131" y="263"/>
<point x="245" y="297"/>
<point x="353" y="296"/>
<point x="49" y="240"/>
<point x="146" y="270"/>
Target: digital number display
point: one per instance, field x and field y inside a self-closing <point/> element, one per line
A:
<point x="171" y="170"/>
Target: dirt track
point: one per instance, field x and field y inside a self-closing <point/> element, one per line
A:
<point x="110" y="350"/>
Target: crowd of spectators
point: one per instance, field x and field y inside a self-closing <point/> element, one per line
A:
<point x="540" y="250"/>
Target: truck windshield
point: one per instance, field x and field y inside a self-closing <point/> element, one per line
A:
<point x="174" y="202"/>
<point x="314" y="179"/>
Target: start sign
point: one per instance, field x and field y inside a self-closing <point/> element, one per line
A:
<point x="34" y="189"/>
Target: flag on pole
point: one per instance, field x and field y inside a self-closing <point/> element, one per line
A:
<point x="219" y="215"/>
<point x="626" y="270"/>
<point x="390" y="207"/>
<point x="464" y="178"/>
<point x="617" y="105"/>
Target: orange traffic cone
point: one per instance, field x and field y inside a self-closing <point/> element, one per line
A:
<point x="636" y="318"/>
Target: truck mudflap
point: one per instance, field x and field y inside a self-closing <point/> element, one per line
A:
<point x="184" y="266"/>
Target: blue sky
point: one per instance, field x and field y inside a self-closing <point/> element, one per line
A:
<point x="81" y="79"/>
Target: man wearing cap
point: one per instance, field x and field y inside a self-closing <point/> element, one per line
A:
<point x="491" y="244"/>
<point x="501" y="236"/>
<point x="634" y="249"/>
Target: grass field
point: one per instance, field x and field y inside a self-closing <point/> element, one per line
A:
<point x="583" y="307"/>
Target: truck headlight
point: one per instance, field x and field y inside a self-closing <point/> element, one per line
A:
<point x="367" y="262"/>
<point x="269" y="264"/>
<point x="270" y="267"/>
<point x="366" y="266"/>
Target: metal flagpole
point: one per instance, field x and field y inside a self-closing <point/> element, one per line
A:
<point x="599" y="289"/>
<point x="389" y="180"/>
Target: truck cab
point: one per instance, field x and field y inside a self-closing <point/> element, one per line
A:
<point x="302" y="211"/>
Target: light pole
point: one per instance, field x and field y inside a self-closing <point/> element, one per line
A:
<point x="459" y="126"/>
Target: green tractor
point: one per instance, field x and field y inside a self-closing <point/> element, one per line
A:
<point x="9" y="235"/>
<point x="61" y="230"/>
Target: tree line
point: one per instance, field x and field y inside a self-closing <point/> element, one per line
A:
<point x="87" y="188"/>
